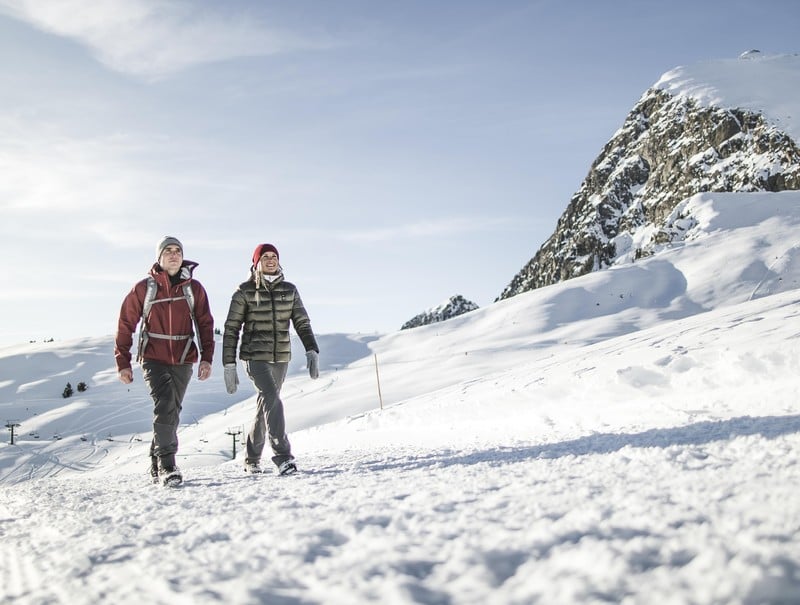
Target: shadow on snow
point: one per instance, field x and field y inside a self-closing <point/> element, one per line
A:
<point x="700" y="433"/>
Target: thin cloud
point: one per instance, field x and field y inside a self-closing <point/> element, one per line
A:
<point x="152" y="39"/>
<point x="423" y="229"/>
<point x="51" y="171"/>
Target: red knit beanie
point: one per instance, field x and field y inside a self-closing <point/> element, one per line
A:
<point x="262" y="249"/>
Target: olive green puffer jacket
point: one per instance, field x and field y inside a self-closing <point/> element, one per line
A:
<point x="262" y="317"/>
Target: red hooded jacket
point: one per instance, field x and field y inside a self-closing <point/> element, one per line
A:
<point x="172" y="318"/>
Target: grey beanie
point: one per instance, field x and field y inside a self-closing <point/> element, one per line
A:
<point x="167" y="240"/>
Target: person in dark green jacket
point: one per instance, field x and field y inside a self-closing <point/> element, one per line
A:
<point x="260" y="312"/>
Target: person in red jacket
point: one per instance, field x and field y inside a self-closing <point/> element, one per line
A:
<point x="177" y="332"/>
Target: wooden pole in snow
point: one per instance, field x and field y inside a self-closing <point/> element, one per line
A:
<point x="378" y="378"/>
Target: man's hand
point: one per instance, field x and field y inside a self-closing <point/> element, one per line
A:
<point x="126" y="376"/>
<point x="204" y="371"/>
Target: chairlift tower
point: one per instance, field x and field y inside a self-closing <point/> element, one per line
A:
<point x="234" y="432"/>
<point x="11" y="425"/>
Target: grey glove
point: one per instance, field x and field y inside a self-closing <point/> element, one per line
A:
<point x="312" y="363"/>
<point x="231" y="378"/>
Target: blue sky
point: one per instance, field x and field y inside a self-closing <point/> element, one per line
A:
<point x="396" y="153"/>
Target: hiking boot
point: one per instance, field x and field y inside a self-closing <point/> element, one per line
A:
<point x="154" y="469"/>
<point x="252" y="467"/>
<point x="169" y="475"/>
<point x="287" y="467"/>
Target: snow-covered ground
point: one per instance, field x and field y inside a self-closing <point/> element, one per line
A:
<point x="631" y="436"/>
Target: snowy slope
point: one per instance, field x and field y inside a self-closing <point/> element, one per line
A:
<point x="744" y="247"/>
<point x="628" y="436"/>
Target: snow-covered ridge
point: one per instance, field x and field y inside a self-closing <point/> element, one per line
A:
<point x="757" y="82"/>
<point x="452" y="307"/>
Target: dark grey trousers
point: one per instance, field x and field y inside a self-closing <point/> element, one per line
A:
<point x="167" y="384"/>
<point x="269" y="421"/>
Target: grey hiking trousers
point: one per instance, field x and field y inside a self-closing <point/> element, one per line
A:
<point x="167" y="384"/>
<point x="269" y="420"/>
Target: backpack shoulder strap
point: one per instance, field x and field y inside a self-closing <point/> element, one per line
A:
<point x="149" y="296"/>
<point x="189" y="294"/>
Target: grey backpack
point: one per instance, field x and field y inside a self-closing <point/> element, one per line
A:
<point x="145" y="334"/>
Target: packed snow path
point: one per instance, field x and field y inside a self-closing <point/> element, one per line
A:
<point x="704" y="513"/>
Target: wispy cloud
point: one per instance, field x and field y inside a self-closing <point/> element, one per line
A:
<point x="47" y="170"/>
<point x="152" y="38"/>
<point x="106" y="188"/>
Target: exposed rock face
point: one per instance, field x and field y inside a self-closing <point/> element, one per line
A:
<point x="452" y="307"/>
<point x="668" y="149"/>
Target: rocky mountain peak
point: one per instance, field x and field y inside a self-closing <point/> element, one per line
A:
<point x="669" y="148"/>
<point x="452" y="307"/>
